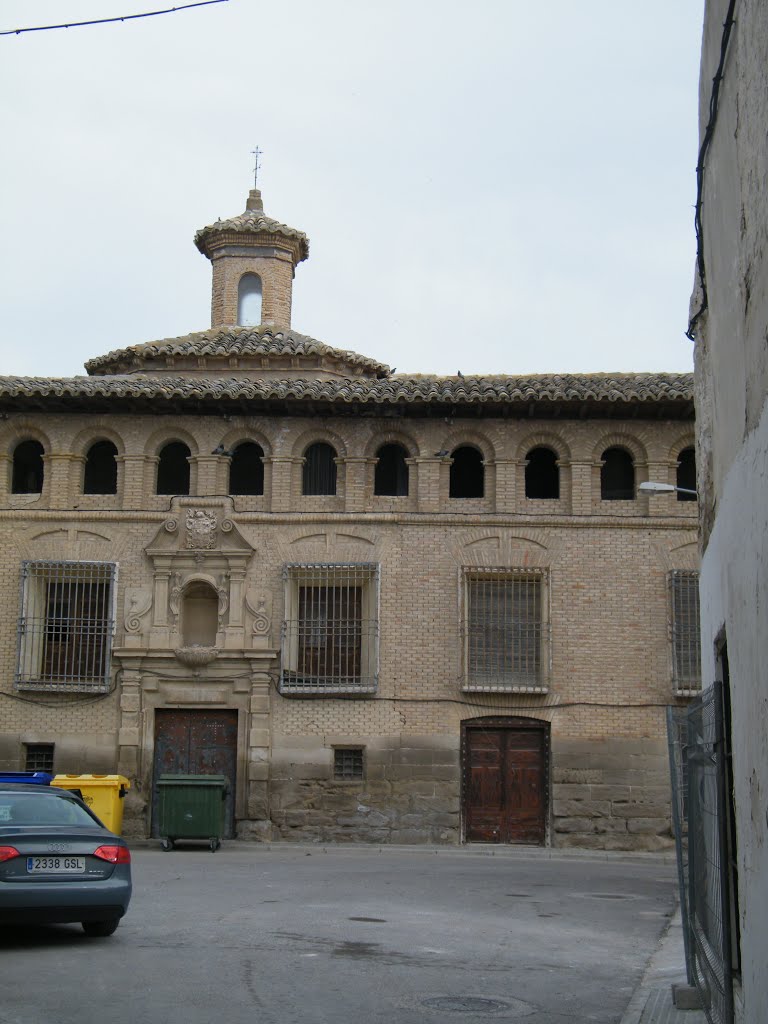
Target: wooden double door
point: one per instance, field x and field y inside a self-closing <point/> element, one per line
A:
<point x="196" y="742"/>
<point x="505" y="780"/>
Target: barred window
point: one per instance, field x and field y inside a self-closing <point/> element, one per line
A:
<point x="685" y="631"/>
<point x="348" y="763"/>
<point x="66" y="625"/>
<point x="330" y="631"/>
<point x="506" y="630"/>
<point x="39" y="757"/>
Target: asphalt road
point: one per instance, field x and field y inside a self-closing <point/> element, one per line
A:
<point x="277" y="935"/>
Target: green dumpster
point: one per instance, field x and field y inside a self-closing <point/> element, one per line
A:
<point x="191" y="807"/>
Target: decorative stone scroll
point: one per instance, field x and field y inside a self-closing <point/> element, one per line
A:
<point x="259" y="604"/>
<point x="138" y="602"/>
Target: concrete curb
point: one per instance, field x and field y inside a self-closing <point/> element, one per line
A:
<point x="471" y="850"/>
<point x="651" y="1002"/>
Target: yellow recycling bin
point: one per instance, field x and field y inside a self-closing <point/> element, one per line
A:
<point x="103" y="794"/>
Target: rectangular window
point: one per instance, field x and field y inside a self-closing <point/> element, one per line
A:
<point x="330" y="631"/>
<point x="66" y="626"/>
<point x="506" y="630"/>
<point x="685" y="632"/>
<point x="39" y="757"/>
<point x="348" y="763"/>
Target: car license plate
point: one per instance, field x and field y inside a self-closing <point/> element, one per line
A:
<point x="56" y="865"/>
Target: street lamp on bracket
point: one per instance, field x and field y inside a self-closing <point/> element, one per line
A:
<point x="653" y="487"/>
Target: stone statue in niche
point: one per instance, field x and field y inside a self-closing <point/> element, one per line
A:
<point x="223" y="594"/>
<point x="200" y="528"/>
<point x="174" y="595"/>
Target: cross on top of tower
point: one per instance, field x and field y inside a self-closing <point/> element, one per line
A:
<point x="256" y="153"/>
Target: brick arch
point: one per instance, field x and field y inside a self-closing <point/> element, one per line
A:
<point x="319" y="435"/>
<point x="88" y="436"/>
<point x="25" y="431"/>
<point x="391" y="437"/>
<point x="167" y="435"/>
<point x="671" y="556"/>
<point x="470" y="439"/>
<point x="619" y="439"/>
<point x="486" y="546"/>
<point x="682" y="441"/>
<point x="544" y="439"/>
<point x="234" y="437"/>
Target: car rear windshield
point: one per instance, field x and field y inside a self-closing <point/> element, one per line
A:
<point x="41" y="809"/>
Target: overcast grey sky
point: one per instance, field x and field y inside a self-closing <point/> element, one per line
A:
<point x="497" y="186"/>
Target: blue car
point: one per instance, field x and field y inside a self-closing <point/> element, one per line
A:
<point x="58" y="863"/>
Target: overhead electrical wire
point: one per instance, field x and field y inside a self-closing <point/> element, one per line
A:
<point x="106" y="21"/>
<point x="704" y="148"/>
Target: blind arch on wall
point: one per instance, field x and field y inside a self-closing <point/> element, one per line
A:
<point x="199" y="614"/>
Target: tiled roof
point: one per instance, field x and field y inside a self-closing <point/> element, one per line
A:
<point x="251" y="222"/>
<point x="225" y="342"/>
<point x="644" y="388"/>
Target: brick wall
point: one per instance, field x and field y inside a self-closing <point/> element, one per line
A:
<point x="607" y="565"/>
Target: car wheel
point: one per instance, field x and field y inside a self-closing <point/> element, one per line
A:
<point x="100" y="929"/>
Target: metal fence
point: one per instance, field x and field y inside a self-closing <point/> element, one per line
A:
<point x="700" y="813"/>
<point x="677" y="736"/>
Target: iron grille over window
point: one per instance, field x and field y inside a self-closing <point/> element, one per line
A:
<point x="39" y="757"/>
<point x="330" y="631"/>
<point x="66" y="625"/>
<point x="685" y="632"/>
<point x="348" y="763"/>
<point x="505" y="630"/>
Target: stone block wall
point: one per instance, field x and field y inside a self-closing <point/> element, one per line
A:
<point x="611" y="794"/>
<point x="409" y="793"/>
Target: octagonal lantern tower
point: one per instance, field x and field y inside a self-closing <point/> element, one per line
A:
<point x="254" y="259"/>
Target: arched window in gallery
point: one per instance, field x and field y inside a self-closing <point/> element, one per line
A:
<point x="246" y="469"/>
<point x="199" y="615"/>
<point x="249" y="297"/>
<point x="173" y="469"/>
<point x="542" y="474"/>
<point x="319" y="471"/>
<point x="100" y="472"/>
<point x="686" y="474"/>
<point x="467" y="478"/>
<point x="617" y="475"/>
<point x="391" y="473"/>
<point x="27" y="468"/>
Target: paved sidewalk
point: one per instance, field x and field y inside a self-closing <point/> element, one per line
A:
<point x="652" y="1000"/>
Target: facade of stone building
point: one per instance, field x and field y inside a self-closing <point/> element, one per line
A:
<point x="389" y="608"/>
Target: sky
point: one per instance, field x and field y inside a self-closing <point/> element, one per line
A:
<point x="492" y="187"/>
